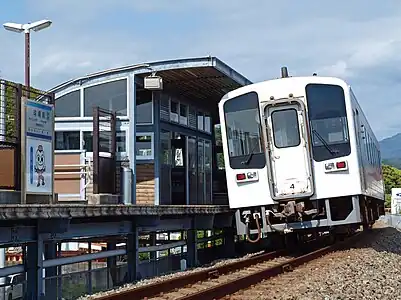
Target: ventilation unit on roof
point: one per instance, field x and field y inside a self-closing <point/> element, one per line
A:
<point x="153" y="82"/>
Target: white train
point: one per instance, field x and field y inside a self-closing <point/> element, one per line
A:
<point x="299" y="154"/>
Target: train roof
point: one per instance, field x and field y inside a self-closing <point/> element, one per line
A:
<point x="296" y="82"/>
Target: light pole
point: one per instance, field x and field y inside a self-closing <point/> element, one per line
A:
<point x="26" y="28"/>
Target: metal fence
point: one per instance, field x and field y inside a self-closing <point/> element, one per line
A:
<point x="73" y="285"/>
<point x="11" y="95"/>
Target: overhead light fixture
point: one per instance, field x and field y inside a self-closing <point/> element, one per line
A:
<point x="153" y="82"/>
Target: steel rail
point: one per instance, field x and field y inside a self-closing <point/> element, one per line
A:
<point x="157" y="288"/>
<point x="244" y="282"/>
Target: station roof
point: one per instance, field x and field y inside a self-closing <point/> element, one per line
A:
<point x="195" y="78"/>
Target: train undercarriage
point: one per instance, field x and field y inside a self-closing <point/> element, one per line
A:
<point x="306" y="218"/>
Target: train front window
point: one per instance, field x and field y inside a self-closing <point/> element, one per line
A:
<point x="328" y="121"/>
<point x="243" y="128"/>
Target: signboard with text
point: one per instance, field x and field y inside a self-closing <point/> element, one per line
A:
<point x="39" y="148"/>
<point x="396" y="200"/>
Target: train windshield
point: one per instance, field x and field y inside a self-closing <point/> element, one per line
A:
<point x="328" y="121"/>
<point x="243" y="128"/>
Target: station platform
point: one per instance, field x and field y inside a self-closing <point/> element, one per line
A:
<point x="23" y="223"/>
<point x="55" y="211"/>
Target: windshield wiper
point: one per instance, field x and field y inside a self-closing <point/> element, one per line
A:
<point x="332" y="152"/>
<point x="248" y="159"/>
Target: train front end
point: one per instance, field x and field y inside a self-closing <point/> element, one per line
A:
<point x="287" y="148"/>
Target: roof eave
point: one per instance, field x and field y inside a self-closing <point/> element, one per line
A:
<point x="208" y="61"/>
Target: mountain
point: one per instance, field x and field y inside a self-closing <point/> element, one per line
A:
<point x="391" y="150"/>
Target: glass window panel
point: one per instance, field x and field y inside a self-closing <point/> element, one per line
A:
<point x="208" y="172"/>
<point x="328" y="121"/>
<point x="144" y="146"/>
<point x="192" y="121"/>
<point x="165" y="152"/>
<point x="88" y="141"/>
<point x="111" y="96"/>
<point x="67" y="140"/>
<point x="201" y="173"/>
<point x="200" y="120"/>
<point x="144" y="107"/>
<point x="120" y="141"/>
<point x="174" y="108"/>
<point x="285" y="128"/>
<point x="208" y="123"/>
<point x="243" y="127"/>
<point x="121" y="145"/>
<point x="192" y="169"/>
<point x="183" y="114"/>
<point x="68" y="105"/>
<point x="165" y="174"/>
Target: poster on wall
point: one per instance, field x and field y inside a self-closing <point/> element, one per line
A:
<point x="39" y="148"/>
<point x="39" y="166"/>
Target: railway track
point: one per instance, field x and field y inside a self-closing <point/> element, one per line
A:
<point x="220" y="282"/>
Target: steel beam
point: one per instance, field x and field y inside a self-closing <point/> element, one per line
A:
<point x="192" y="248"/>
<point x="132" y="134"/>
<point x="34" y="264"/>
<point x="132" y="254"/>
<point x="162" y="247"/>
<point x="82" y="258"/>
<point x="223" y="221"/>
<point x="203" y="221"/>
<point x="4" y="272"/>
<point x="17" y="235"/>
<point x="175" y="64"/>
<point x="91" y="230"/>
<point x="167" y="225"/>
<point x="229" y="72"/>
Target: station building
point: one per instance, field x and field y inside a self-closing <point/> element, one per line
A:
<point x="167" y="137"/>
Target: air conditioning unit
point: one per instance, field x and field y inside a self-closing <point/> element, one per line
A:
<point x="154" y="83"/>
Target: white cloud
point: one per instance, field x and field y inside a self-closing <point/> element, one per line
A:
<point x="353" y="40"/>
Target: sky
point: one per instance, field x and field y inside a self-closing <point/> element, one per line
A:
<point x="358" y="41"/>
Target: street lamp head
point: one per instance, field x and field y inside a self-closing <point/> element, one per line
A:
<point x="13" y="27"/>
<point x="35" y="26"/>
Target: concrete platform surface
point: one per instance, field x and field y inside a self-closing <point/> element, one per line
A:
<point x="46" y="211"/>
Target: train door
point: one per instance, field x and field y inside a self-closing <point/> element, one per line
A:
<point x="289" y="152"/>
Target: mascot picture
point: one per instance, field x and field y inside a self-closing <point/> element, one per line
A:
<point x="40" y="166"/>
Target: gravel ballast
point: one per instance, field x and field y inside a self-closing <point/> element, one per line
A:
<point x="141" y="283"/>
<point x="369" y="270"/>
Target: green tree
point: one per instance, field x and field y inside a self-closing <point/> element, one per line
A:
<point x="11" y="100"/>
<point x="392" y="179"/>
<point x="10" y="120"/>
